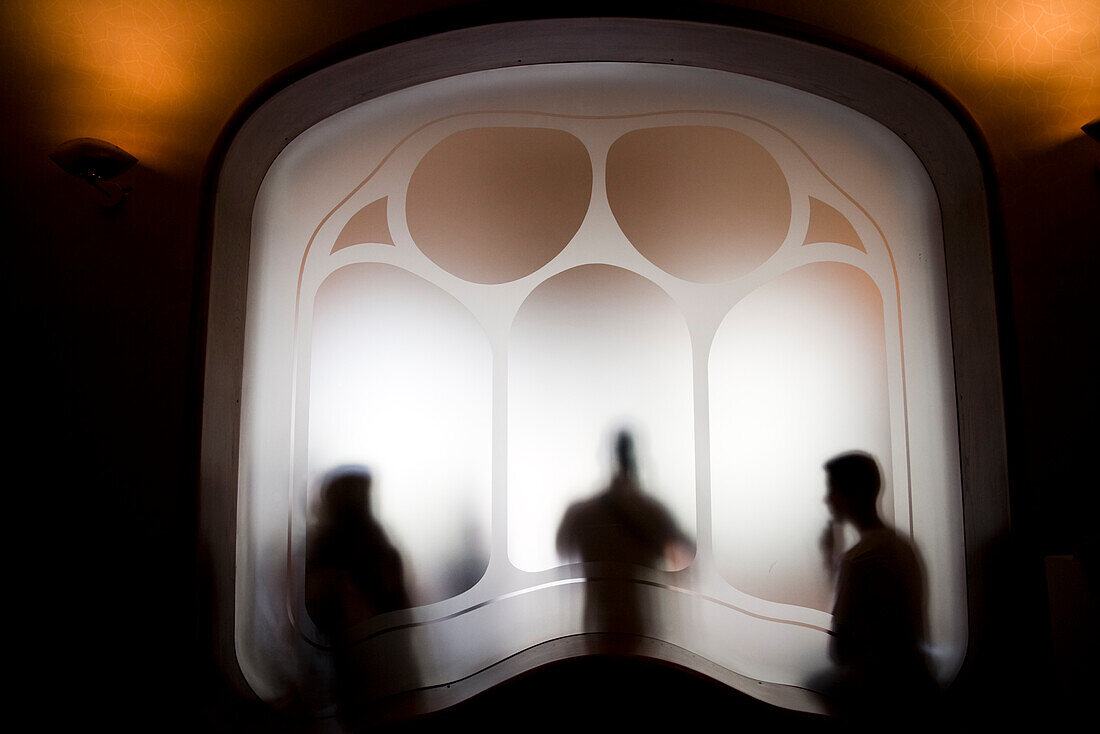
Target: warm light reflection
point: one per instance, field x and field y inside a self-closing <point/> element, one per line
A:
<point x="1022" y="37"/>
<point x="128" y="71"/>
<point x="141" y="53"/>
<point x="137" y="73"/>
<point x="1028" y="70"/>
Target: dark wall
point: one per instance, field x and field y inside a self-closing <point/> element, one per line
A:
<point x="101" y="304"/>
<point x="1051" y="208"/>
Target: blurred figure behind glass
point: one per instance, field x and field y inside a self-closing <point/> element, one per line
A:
<point x="620" y="528"/>
<point x="353" y="572"/>
<point x="878" y="617"/>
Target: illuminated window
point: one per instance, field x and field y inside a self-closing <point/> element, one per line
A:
<point x="469" y="285"/>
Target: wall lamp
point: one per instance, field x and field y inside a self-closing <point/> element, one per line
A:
<point x="95" y="161"/>
<point x="1092" y="129"/>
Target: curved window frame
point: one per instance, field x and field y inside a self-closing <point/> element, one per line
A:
<point x="938" y="135"/>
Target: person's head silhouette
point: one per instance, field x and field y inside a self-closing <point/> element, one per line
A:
<point x="854" y="483"/>
<point x="345" y="495"/>
<point x="878" y="612"/>
<point x="624" y="453"/>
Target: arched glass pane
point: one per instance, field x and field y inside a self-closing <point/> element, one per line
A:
<point x="400" y="381"/>
<point x="595" y="350"/>
<point x="798" y="376"/>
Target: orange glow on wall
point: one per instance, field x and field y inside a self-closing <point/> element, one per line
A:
<point x="1050" y="50"/>
<point x="1022" y="37"/>
<point x="1028" y="70"/>
<point x="123" y="71"/>
<point x="140" y="53"/>
<point x="161" y="77"/>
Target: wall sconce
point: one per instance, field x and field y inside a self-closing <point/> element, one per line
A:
<point x="95" y="161"/>
<point x="1092" y="129"/>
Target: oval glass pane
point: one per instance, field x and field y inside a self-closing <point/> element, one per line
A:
<point x="707" y="204"/>
<point x="494" y="204"/>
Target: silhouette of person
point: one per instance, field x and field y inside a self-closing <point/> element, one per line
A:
<point x="353" y="573"/>
<point x="878" y="615"/>
<point x="620" y="528"/>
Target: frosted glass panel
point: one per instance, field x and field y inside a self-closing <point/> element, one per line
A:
<point x="798" y="376"/>
<point x="593" y="350"/>
<point x="704" y="203"/>
<point x="493" y="204"/>
<point x="401" y="381"/>
<point x="468" y="286"/>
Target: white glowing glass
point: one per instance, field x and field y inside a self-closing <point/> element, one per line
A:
<point x="482" y="388"/>
<point x="401" y="381"/>
<point x="594" y="350"/>
<point x="798" y="376"/>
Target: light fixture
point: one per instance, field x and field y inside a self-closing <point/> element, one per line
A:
<point x="95" y="161"/>
<point x="1092" y="129"/>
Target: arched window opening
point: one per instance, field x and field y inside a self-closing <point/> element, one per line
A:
<point x="469" y="285"/>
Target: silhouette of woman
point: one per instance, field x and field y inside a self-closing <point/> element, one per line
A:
<point x="353" y="573"/>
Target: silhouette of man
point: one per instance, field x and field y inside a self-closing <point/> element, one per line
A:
<point x="878" y="616"/>
<point x="620" y="528"/>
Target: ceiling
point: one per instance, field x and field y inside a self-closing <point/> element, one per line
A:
<point x="161" y="78"/>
